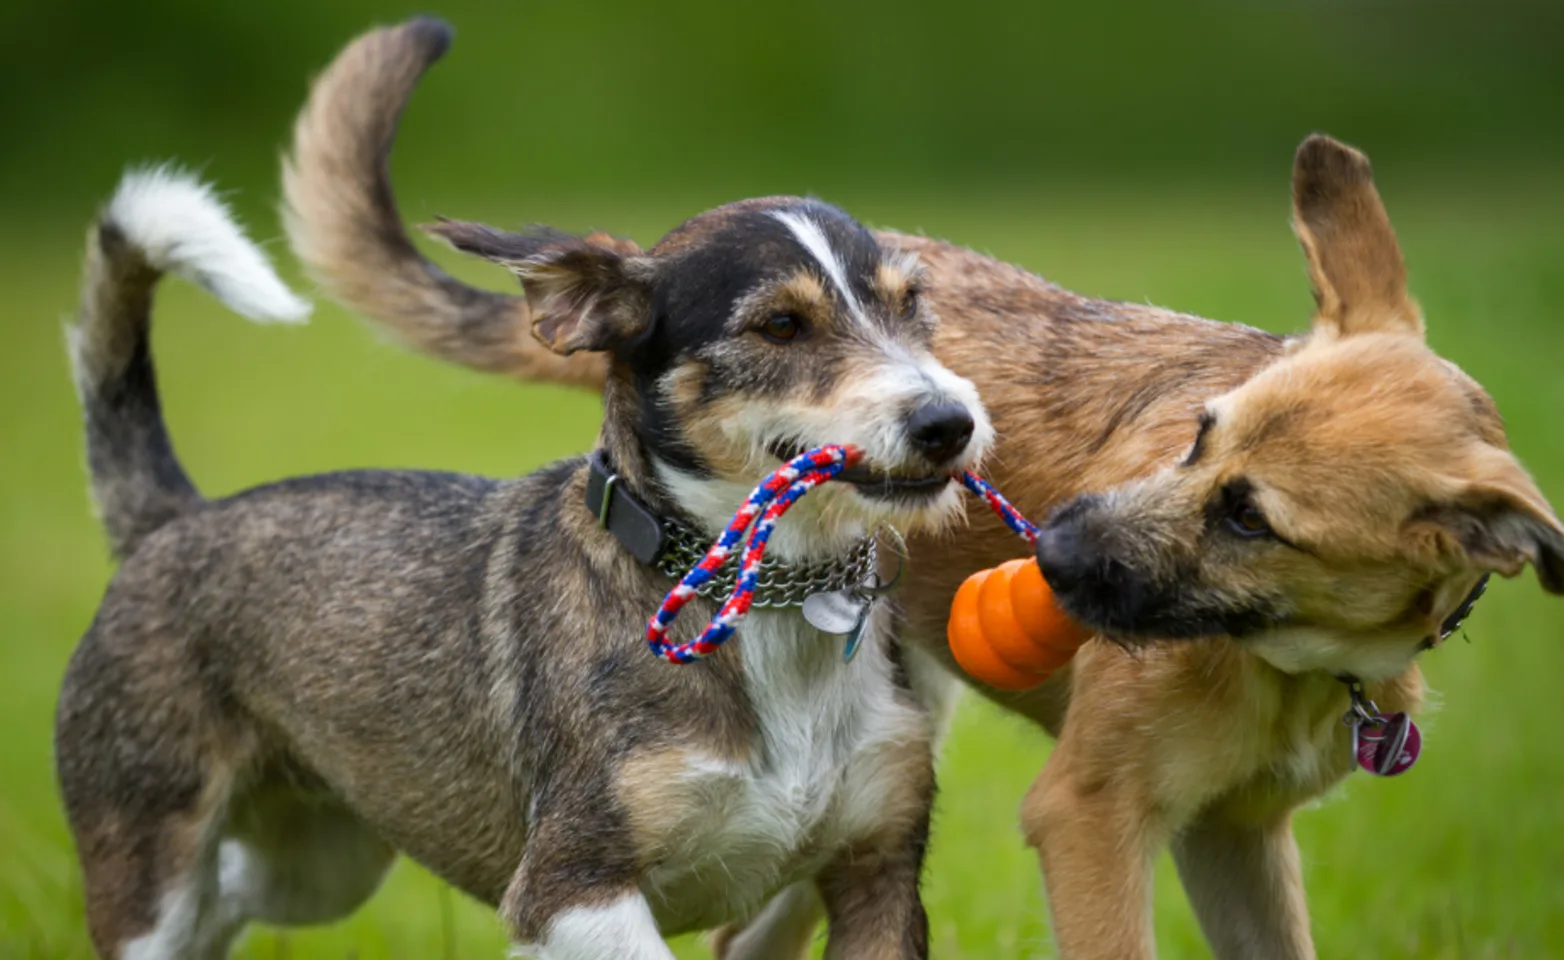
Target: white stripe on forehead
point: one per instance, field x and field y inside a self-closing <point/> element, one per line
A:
<point x="813" y="239"/>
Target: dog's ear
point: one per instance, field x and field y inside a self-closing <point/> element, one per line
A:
<point x="1355" y="263"/>
<point x="585" y="293"/>
<point x="1502" y="522"/>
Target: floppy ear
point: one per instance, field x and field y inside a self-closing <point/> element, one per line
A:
<point x="585" y="293"/>
<point x="1502" y="523"/>
<point x="1354" y="261"/>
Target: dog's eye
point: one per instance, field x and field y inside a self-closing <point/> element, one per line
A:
<point x="1246" y="520"/>
<point x="909" y="308"/>
<point x="782" y="327"/>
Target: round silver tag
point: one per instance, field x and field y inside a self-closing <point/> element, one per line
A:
<point x="836" y="612"/>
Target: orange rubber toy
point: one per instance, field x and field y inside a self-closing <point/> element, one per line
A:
<point x="1006" y="630"/>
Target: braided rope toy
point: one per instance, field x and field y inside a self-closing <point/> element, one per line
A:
<point x="769" y="501"/>
<point x="989" y="630"/>
<point x="1024" y="528"/>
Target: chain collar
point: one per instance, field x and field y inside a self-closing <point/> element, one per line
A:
<point x="780" y="584"/>
<point x="673" y="547"/>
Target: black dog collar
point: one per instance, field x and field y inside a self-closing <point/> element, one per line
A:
<point x="631" y="522"/>
<point x="1451" y="624"/>
<point x="1453" y="621"/>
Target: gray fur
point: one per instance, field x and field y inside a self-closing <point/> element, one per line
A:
<point x="440" y="664"/>
<point x="284" y="687"/>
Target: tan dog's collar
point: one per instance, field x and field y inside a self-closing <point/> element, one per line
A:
<point x="1454" y="620"/>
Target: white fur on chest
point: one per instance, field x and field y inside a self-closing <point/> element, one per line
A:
<point x="811" y="783"/>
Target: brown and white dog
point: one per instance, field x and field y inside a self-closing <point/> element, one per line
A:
<point x="1289" y="510"/>
<point x="285" y="687"/>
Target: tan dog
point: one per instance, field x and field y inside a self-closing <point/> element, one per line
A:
<point x="1293" y="511"/>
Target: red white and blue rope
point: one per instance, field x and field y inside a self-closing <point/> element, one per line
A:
<point x="768" y="501"/>
<point x="1025" y="528"/>
<point x="763" y="508"/>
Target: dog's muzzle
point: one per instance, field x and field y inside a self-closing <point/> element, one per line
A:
<point x="937" y="434"/>
<point x="1095" y="586"/>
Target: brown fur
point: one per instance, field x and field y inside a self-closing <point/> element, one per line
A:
<point x="1353" y="436"/>
<point x="1361" y="437"/>
<point x="351" y="238"/>
<point x="1382" y="471"/>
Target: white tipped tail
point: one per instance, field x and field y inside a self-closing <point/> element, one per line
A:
<point x="159" y="221"/>
<point x="178" y="225"/>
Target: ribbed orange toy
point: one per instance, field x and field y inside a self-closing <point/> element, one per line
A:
<point x="1006" y="630"/>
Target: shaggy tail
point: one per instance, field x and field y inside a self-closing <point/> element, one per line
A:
<point x="159" y="221"/>
<point x="343" y="222"/>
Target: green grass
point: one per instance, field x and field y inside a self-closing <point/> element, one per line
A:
<point x="1463" y="858"/>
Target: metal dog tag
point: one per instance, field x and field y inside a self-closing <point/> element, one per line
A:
<point x="851" y="646"/>
<point x="840" y="612"/>
<point x="1386" y="745"/>
<point x="836" y="612"/>
<point x="1382" y="744"/>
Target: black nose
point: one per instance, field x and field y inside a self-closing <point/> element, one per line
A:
<point x="1064" y="555"/>
<point x="940" y="430"/>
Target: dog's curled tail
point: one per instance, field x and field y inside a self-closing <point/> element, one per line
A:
<point x="343" y="223"/>
<point x="159" y="221"/>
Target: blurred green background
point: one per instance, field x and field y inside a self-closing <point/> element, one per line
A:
<point x="1138" y="151"/>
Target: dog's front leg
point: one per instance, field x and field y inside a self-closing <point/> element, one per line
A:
<point x="1095" y="839"/>
<point x="870" y="890"/>
<point x="613" y="925"/>
<point x="873" y="910"/>
<point x="781" y="931"/>
<point x="575" y="895"/>
<point x="1246" y="887"/>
